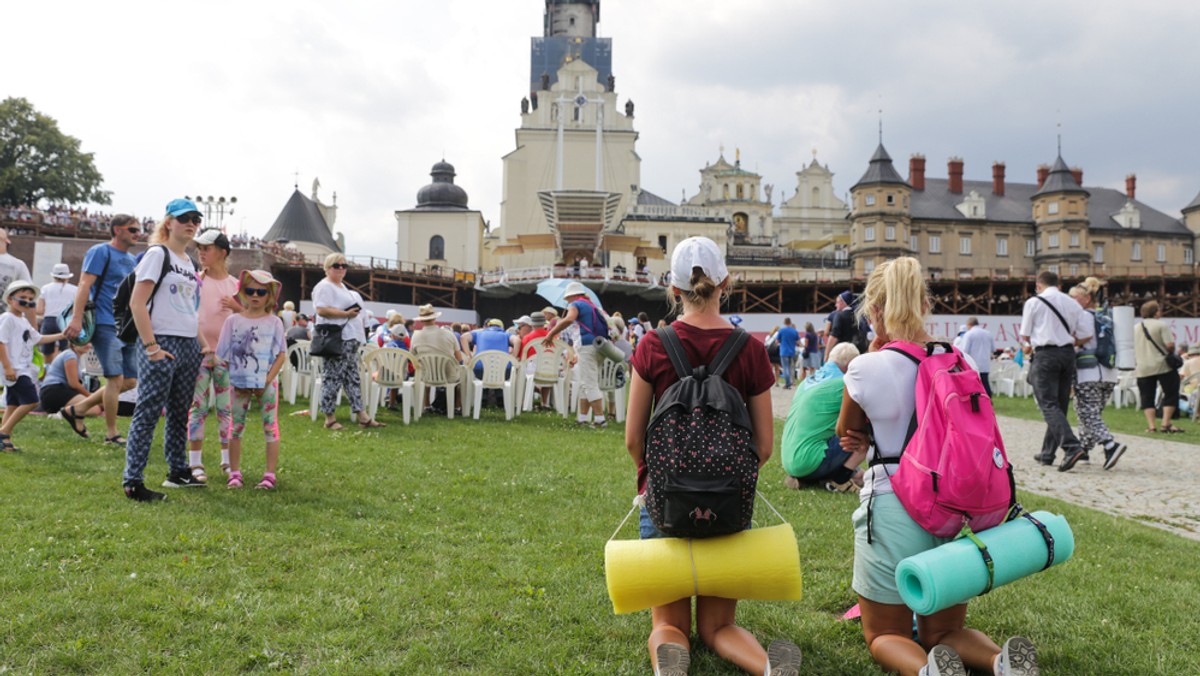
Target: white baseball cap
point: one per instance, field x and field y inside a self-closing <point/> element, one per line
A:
<point x="697" y="252"/>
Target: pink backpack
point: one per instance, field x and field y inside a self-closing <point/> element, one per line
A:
<point x="953" y="470"/>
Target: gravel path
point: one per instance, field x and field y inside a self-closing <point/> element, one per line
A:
<point x="1156" y="482"/>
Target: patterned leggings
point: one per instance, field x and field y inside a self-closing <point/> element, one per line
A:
<point x="1090" y="399"/>
<point x="269" y="400"/>
<point x="341" y="373"/>
<point x="216" y="375"/>
<point x="163" y="386"/>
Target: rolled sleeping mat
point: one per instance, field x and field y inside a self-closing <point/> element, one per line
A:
<point x="957" y="571"/>
<point x="761" y="563"/>
<point x="608" y="349"/>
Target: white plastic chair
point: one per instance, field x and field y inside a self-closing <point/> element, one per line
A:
<point x="1126" y="387"/>
<point x="317" y="366"/>
<point x="614" y="384"/>
<point x="495" y="365"/>
<point x="437" y="370"/>
<point x="294" y="378"/>
<point x="387" y="369"/>
<point x="544" y="369"/>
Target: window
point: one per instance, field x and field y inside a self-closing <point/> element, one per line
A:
<point x="1053" y="268"/>
<point x="1137" y="251"/>
<point x="725" y="191"/>
<point x="964" y="246"/>
<point x="662" y="243"/>
<point x="889" y="233"/>
<point x="1162" y="253"/>
<point x="891" y="199"/>
<point x="1098" y="256"/>
<point x="1074" y="239"/>
<point x="1052" y="208"/>
<point x="1053" y="241"/>
<point x="913" y="242"/>
<point x="869" y="200"/>
<point x="935" y="244"/>
<point x="869" y="266"/>
<point x="869" y="233"/>
<point x="1187" y="255"/>
<point x="740" y="192"/>
<point x="1001" y="246"/>
<point x="437" y="248"/>
<point x="1074" y="270"/>
<point x="1030" y="248"/>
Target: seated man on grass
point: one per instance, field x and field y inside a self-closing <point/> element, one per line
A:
<point x="811" y="451"/>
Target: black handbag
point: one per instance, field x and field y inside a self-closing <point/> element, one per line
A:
<point x="327" y="340"/>
<point x="1174" y="361"/>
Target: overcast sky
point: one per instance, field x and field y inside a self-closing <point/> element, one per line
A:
<point x="233" y="98"/>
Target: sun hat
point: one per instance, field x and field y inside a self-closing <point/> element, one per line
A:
<point x="61" y="271"/>
<point x="538" y="321"/>
<point x="523" y="320"/>
<point x="697" y="252"/>
<point x="1193" y="349"/>
<point x="426" y="313"/>
<point x="262" y="277"/>
<point x="495" y="322"/>
<point x="574" y="289"/>
<point x="212" y="237"/>
<point x="179" y="207"/>
<point x="18" y="285"/>
<point x="550" y="309"/>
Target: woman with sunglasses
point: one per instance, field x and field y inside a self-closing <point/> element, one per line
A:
<point x="168" y="328"/>
<point x="337" y="304"/>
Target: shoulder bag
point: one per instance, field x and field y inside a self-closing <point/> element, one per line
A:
<point x="1174" y="361"/>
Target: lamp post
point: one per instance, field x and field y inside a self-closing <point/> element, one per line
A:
<point x="215" y="208"/>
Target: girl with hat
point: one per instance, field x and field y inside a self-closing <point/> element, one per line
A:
<point x="17" y="341"/>
<point x="56" y="297"/>
<point x="254" y="344"/>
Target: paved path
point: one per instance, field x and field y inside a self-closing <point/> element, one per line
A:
<point x="1156" y="482"/>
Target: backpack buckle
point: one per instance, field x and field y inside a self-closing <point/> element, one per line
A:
<point x="700" y="372"/>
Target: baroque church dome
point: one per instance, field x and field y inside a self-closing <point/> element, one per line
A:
<point x="442" y="194"/>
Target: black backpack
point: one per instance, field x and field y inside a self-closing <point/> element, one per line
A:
<point x="701" y="460"/>
<point x="122" y="315"/>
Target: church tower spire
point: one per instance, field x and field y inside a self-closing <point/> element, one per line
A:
<point x="572" y="18"/>
<point x="569" y="34"/>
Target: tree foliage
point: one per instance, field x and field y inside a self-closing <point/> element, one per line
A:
<point x="39" y="162"/>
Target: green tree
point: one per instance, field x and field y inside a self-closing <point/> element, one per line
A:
<point x="39" y="162"/>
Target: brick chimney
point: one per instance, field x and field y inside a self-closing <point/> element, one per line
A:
<point x="916" y="171"/>
<point x="1131" y="186"/>
<point x="1077" y="172"/>
<point x="1043" y="171"/>
<point x="954" y="168"/>
<point x="998" y="179"/>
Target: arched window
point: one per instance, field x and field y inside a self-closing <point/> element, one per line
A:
<point x="725" y="191"/>
<point x="816" y="196"/>
<point x="437" y="248"/>
<point x="740" y="193"/>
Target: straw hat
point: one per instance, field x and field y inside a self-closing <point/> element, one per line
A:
<point x="427" y="314"/>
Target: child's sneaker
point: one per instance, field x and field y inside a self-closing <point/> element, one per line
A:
<point x="1018" y="657"/>
<point x="137" y="490"/>
<point x="673" y="660"/>
<point x="235" y="480"/>
<point x="268" y="482"/>
<point x="943" y="661"/>
<point x="182" y="479"/>
<point x="784" y="658"/>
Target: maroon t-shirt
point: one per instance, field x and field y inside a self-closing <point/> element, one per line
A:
<point x="750" y="373"/>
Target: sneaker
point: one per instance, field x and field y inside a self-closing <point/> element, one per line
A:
<point x="1086" y="457"/>
<point x="672" y="659"/>
<point x="182" y="479"/>
<point x="784" y="658"/>
<point x="834" y="487"/>
<point x="1112" y="455"/>
<point x="603" y="424"/>
<point x="1018" y="657"/>
<point x="1069" y="459"/>
<point x="1039" y="459"/>
<point x="138" y="491"/>
<point x="944" y="661"/>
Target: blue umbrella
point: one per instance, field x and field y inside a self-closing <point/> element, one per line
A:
<point x="552" y="290"/>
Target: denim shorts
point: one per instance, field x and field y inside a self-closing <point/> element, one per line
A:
<point x="895" y="537"/>
<point x="116" y="358"/>
<point x="646" y="527"/>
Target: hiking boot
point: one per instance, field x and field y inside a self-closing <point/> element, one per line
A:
<point x="784" y="658"/>
<point x="943" y="661"/>
<point x="182" y="479"/>
<point x="1070" y="458"/>
<point x="137" y="491"/>
<point x="1018" y="657"/>
<point x="1113" y="454"/>
<point x="672" y="659"/>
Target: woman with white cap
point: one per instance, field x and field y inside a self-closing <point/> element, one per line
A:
<point x="56" y="297"/>
<point x="592" y="323"/>
<point x="699" y="278"/>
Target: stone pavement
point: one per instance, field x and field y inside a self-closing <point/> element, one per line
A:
<point x="1156" y="482"/>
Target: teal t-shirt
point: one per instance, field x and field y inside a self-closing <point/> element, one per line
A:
<point x="812" y="421"/>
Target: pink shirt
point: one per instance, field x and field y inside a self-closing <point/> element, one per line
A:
<point x="212" y="313"/>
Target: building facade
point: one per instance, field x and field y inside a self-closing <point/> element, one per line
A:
<point x="441" y="231"/>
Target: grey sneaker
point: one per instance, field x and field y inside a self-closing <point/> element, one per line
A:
<point x="1018" y="657"/>
<point x="784" y="658"/>
<point x="672" y="659"/>
<point x="183" y="479"/>
<point x="944" y="661"/>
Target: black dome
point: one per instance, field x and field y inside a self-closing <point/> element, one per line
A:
<point x="442" y="193"/>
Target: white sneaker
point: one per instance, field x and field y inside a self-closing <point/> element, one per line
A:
<point x="1018" y="657"/>
<point x="673" y="660"/>
<point x="944" y="661"/>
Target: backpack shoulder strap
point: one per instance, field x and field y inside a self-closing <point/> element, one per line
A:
<point x="95" y="290"/>
<point x="674" y="348"/>
<point x="1057" y="314"/>
<point x="162" y="274"/>
<point x="728" y="352"/>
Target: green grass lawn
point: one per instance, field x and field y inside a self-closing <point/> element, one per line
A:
<point x="1126" y="420"/>
<point x="475" y="547"/>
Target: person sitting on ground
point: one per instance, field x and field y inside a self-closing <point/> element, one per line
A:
<point x="811" y="450"/>
<point x="63" y="386"/>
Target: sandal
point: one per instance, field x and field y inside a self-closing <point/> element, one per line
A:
<point x="335" y="426"/>
<point x="368" y="424"/>
<point x="235" y="480"/>
<point x="1171" y="429"/>
<point x="68" y="414"/>
<point x="115" y="439"/>
<point x="198" y="473"/>
<point x="268" y="482"/>
<point x="1152" y="430"/>
<point x="225" y="468"/>
<point x="6" y="444"/>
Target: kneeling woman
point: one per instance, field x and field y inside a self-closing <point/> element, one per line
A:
<point x="63" y="387"/>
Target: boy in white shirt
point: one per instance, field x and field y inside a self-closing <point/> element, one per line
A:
<point x="18" y="338"/>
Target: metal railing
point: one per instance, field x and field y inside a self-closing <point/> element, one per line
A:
<point x="591" y="273"/>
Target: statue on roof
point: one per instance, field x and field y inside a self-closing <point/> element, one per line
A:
<point x="768" y="188"/>
<point x="545" y="81"/>
<point x="315" y="187"/>
<point x="612" y="83"/>
<point x="525" y="105"/>
<point x="629" y="108"/>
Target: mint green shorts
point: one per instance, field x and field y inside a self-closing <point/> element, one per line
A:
<point x="894" y="537"/>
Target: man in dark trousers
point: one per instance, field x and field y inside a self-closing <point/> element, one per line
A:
<point x="1052" y="324"/>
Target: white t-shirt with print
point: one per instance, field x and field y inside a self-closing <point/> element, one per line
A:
<point x="328" y="294"/>
<point x="12" y="269"/>
<point x="174" y="306"/>
<point x="57" y="296"/>
<point x="19" y="339"/>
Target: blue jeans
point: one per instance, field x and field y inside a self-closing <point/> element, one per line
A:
<point x="789" y="369"/>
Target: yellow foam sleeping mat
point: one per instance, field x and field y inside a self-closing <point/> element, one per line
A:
<point x="761" y="564"/>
